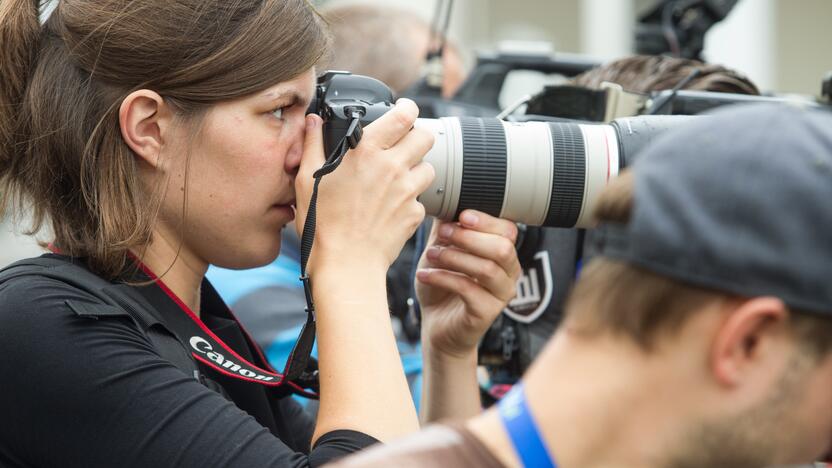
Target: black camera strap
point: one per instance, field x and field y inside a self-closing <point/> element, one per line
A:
<point x="299" y="357"/>
<point x="208" y="348"/>
<point x="147" y="306"/>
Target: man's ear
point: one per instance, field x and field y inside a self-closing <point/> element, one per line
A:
<point x="748" y="337"/>
<point x="144" y="118"/>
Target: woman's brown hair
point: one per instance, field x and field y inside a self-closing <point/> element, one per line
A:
<point x="61" y="84"/>
<point x="647" y="73"/>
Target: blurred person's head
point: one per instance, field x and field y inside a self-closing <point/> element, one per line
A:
<point x="648" y="73"/>
<point x="178" y="121"/>
<point x="388" y="44"/>
<point x="712" y="285"/>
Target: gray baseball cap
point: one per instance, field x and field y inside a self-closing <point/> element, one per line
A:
<point x="738" y="201"/>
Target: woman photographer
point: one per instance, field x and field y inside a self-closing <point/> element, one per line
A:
<point x="157" y="137"/>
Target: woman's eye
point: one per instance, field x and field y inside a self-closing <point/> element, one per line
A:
<point x="278" y="113"/>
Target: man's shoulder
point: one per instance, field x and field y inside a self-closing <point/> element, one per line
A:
<point x="438" y="445"/>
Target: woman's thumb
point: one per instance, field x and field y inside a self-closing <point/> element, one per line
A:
<point x="312" y="159"/>
<point x="313" y="146"/>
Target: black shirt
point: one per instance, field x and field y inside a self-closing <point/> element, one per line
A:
<point x="77" y="391"/>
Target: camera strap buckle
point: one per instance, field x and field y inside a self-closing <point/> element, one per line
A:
<point x="354" y="132"/>
<point x="307" y="290"/>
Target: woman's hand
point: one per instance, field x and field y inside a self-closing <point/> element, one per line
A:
<point x="466" y="277"/>
<point x="367" y="207"/>
<point x="366" y="211"/>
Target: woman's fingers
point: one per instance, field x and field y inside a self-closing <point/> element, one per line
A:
<point x="475" y="297"/>
<point x="391" y="127"/>
<point x="487" y="273"/>
<point x="414" y="145"/>
<point x="368" y="206"/>
<point x="494" y="247"/>
<point x="421" y="177"/>
<point x="486" y="223"/>
<point x="313" y="148"/>
<point x="313" y="158"/>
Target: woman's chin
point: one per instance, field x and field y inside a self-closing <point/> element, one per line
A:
<point x="238" y="260"/>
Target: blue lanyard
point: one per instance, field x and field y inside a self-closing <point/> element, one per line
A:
<point x="523" y="432"/>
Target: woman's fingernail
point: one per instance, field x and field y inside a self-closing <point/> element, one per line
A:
<point x="422" y="274"/>
<point x="445" y="231"/>
<point x="433" y="252"/>
<point x="311" y="122"/>
<point x="469" y="218"/>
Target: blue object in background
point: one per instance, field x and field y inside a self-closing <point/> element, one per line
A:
<point x="232" y="285"/>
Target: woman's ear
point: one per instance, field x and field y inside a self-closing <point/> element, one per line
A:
<point x="144" y="120"/>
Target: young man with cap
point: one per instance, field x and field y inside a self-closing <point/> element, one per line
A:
<point x="701" y="336"/>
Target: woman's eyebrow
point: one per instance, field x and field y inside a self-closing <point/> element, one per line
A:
<point x="289" y="95"/>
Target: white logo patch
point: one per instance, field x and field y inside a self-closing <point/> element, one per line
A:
<point x="202" y="346"/>
<point x="534" y="290"/>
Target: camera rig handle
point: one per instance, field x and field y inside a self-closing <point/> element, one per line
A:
<point x="484" y="84"/>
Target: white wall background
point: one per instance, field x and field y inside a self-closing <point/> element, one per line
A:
<point x="14" y="246"/>
<point x="745" y="41"/>
<point x="783" y="45"/>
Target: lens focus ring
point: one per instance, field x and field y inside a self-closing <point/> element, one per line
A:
<point x="484" y="165"/>
<point x="569" y="178"/>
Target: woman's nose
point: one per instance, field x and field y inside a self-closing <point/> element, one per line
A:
<point x="293" y="156"/>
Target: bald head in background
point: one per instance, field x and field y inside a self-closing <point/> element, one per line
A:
<point x="388" y="44"/>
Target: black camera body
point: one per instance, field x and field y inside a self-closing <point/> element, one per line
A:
<point x="341" y="96"/>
